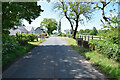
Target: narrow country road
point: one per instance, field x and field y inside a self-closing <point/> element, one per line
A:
<point x="52" y="59"/>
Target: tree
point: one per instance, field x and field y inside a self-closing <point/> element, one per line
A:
<point x="50" y="24"/>
<point x="94" y="31"/>
<point x="81" y="31"/>
<point x="87" y="31"/>
<point x="59" y="27"/>
<point x="114" y="29"/>
<point x="14" y="12"/>
<point x="72" y="11"/>
<point x="102" y="8"/>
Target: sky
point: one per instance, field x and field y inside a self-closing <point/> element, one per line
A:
<point x="50" y="13"/>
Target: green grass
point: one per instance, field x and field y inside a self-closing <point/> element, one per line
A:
<point x="37" y="42"/>
<point x="108" y="66"/>
<point x="21" y="50"/>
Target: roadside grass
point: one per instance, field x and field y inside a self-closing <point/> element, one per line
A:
<point x="19" y="51"/>
<point x="108" y="66"/>
<point x="37" y="42"/>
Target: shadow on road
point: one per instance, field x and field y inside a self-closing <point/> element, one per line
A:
<point x="52" y="61"/>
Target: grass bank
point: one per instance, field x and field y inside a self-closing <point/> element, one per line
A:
<point x="19" y="51"/>
<point x="108" y="66"/>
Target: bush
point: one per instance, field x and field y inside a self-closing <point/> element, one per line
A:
<point x="112" y="35"/>
<point x="91" y="46"/>
<point x="59" y="34"/>
<point x="24" y="38"/>
<point x="32" y="37"/>
<point x="8" y="43"/>
<point x="107" y="48"/>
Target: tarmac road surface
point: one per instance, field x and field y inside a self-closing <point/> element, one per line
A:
<point x="52" y="59"/>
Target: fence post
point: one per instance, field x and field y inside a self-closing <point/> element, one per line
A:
<point x="85" y="38"/>
<point x="100" y="38"/>
<point x="88" y="38"/>
<point x="92" y="37"/>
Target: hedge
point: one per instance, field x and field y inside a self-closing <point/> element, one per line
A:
<point x="24" y="38"/>
<point x="107" y="48"/>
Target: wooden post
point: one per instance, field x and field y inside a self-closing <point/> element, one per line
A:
<point x="80" y="36"/>
<point x="88" y="38"/>
<point x="85" y="38"/>
<point x="92" y="37"/>
<point x="100" y="38"/>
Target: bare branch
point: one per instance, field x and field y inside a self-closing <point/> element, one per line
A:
<point x="108" y="2"/>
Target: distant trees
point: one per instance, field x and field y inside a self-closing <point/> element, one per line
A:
<point x="88" y="31"/>
<point x="81" y="31"/>
<point x="94" y="31"/>
<point x="50" y="24"/>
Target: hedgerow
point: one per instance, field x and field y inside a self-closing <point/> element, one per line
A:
<point x="8" y="43"/>
<point x="107" y="48"/>
<point x="24" y="38"/>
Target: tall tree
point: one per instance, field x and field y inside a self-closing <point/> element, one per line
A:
<point x="59" y="26"/>
<point x="50" y="24"/>
<point x="72" y="11"/>
<point x="104" y="3"/>
<point x="94" y="31"/>
<point x="14" y="12"/>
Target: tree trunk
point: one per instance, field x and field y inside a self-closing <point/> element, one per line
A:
<point x="67" y="17"/>
<point x="106" y="20"/>
<point x="76" y="27"/>
<point x="69" y="21"/>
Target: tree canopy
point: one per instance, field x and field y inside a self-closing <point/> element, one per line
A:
<point x="14" y="12"/>
<point x="73" y="11"/>
<point x="94" y="31"/>
<point x="50" y="24"/>
<point x="104" y="4"/>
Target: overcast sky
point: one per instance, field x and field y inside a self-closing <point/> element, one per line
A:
<point x="50" y="13"/>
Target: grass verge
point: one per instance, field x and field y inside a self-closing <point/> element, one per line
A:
<point x="19" y="51"/>
<point x="108" y="66"/>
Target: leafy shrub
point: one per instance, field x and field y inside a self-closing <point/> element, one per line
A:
<point x="32" y="37"/>
<point x="59" y="34"/>
<point x="112" y="35"/>
<point x="107" y="48"/>
<point x="42" y="34"/>
<point x="91" y="46"/>
<point x="65" y="35"/>
<point x="93" y="32"/>
<point x="8" y="43"/>
<point x="24" y="38"/>
<point x="88" y="58"/>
